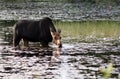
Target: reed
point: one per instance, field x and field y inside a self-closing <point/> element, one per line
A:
<point x="87" y="30"/>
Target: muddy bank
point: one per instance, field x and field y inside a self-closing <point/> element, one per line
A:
<point x="59" y="11"/>
<point x="76" y="61"/>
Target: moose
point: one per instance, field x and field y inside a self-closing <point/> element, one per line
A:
<point x="42" y="31"/>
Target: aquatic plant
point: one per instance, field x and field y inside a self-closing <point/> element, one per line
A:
<point x="89" y="31"/>
<point x="119" y="76"/>
<point x="106" y="72"/>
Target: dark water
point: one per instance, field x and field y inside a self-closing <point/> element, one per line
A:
<point x="76" y="60"/>
<point x="6" y="31"/>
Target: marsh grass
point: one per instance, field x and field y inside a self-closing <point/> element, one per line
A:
<point x="90" y="30"/>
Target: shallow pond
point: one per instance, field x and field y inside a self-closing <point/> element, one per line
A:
<point x="88" y="48"/>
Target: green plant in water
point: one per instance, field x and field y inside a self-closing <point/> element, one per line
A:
<point x="119" y="76"/>
<point x="106" y="72"/>
<point x="90" y="31"/>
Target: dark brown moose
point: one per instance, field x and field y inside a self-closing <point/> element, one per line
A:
<point x="42" y="31"/>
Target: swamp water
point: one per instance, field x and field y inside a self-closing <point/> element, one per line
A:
<point x="88" y="47"/>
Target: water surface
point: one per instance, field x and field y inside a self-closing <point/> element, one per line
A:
<point x="88" y="46"/>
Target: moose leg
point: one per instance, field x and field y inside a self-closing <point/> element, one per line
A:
<point x="44" y="44"/>
<point x="25" y="44"/>
<point x="16" y="40"/>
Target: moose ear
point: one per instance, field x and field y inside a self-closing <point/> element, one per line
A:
<point x="59" y="30"/>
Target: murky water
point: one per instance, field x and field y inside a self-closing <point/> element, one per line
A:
<point x="76" y="60"/>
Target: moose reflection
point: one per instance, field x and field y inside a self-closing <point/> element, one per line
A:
<point x="55" y="58"/>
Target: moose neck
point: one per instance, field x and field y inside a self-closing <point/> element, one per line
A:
<point x="52" y="28"/>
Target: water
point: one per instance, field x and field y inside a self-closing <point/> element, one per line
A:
<point x="87" y="48"/>
<point x="59" y="11"/>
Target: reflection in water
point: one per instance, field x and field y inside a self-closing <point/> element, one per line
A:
<point x="79" y="61"/>
<point x="55" y="58"/>
<point x="57" y="52"/>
